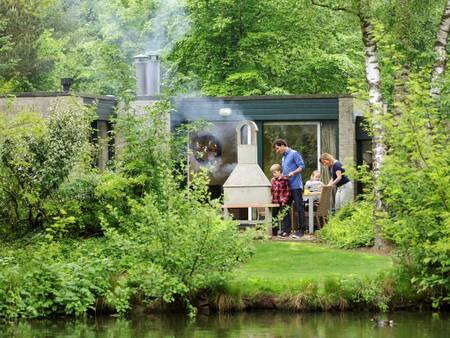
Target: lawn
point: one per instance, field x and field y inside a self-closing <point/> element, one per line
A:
<point x="279" y="265"/>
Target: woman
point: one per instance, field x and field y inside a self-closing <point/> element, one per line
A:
<point x="344" y="191"/>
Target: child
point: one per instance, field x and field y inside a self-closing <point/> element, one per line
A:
<point x="314" y="184"/>
<point x="280" y="195"/>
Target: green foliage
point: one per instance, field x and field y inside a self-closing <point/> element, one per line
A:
<point x="52" y="278"/>
<point x="264" y="47"/>
<point x="351" y="227"/>
<point x="416" y="185"/>
<point x="91" y="41"/>
<point x="163" y="239"/>
<point x="6" y="64"/>
<point x="36" y="156"/>
<point x="76" y="205"/>
<point x="163" y="220"/>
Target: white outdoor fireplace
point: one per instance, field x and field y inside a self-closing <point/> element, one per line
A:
<point x="247" y="184"/>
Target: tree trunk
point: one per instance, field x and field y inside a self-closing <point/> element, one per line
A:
<point x="440" y="51"/>
<point x="377" y="111"/>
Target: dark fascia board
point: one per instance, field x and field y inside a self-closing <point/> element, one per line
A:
<point x="100" y="97"/>
<point x="262" y="97"/>
<point x="258" y="108"/>
<point x="178" y="118"/>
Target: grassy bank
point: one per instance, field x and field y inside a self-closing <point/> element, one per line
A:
<point x="75" y="278"/>
<point x="302" y="276"/>
<point x="282" y="264"/>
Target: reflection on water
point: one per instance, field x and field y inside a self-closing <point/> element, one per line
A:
<point x="256" y="324"/>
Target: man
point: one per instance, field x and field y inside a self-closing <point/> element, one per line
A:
<point x="292" y="164"/>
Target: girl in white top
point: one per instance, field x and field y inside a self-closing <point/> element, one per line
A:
<point x="314" y="184"/>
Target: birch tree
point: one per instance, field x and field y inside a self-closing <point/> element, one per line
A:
<point x="376" y="109"/>
<point x="361" y="9"/>
<point x="440" y="51"/>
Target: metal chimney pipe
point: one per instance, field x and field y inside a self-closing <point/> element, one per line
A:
<point x="148" y="81"/>
<point x="66" y="82"/>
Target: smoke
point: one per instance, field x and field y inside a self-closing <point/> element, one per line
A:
<point x="224" y="116"/>
<point x="170" y="24"/>
<point x="134" y="26"/>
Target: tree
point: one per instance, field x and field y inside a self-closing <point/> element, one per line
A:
<point x="361" y="9"/>
<point x="36" y="156"/>
<point x="5" y="46"/>
<point x="402" y="22"/>
<point x="264" y="47"/>
<point x="25" y="21"/>
<point x="440" y="51"/>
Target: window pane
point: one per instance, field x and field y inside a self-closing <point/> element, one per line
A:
<point x="299" y="136"/>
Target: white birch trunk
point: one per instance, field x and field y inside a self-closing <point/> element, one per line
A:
<point x="376" y="108"/>
<point x="440" y="51"/>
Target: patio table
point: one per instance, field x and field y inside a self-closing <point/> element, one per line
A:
<point x="311" y="197"/>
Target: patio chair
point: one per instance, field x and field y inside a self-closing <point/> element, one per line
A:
<point x="321" y="213"/>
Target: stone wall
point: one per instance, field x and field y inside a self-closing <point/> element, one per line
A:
<point x="347" y="137"/>
<point x="347" y="141"/>
<point x="43" y="103"/>
<point x="39" y="104"/>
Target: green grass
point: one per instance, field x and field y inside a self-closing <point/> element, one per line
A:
<point x="278" y="266"/>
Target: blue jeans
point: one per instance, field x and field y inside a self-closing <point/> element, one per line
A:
<point x="297" y="195"/>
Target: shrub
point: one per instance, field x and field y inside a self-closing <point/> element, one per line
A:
<point x="162" y="241"/>
<point x="351" y="227"/>
<point x="163" y="220"/>
<point x="52" y="278"/>
<point x="36" y="155"/>
<point x="416" y="186"/>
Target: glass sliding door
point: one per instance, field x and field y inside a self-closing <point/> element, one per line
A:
<point x="301" y="136"/>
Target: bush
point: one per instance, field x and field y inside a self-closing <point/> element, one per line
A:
<point x="351" y="227"/>
<point x="36" y="156"/>
<point x="162" y="241"/>
<point x="152" y="211"/>
<point x="415" y="181"/>
<point x="52" y="278"/>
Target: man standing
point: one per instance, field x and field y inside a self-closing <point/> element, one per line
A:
<point x="292" y="165"/>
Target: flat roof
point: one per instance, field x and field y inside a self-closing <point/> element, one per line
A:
<point x="257" y="108"/>
<point x="266" y="97"/>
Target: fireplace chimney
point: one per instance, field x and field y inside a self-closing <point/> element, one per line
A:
<point x="147" y="75"/>
<point x="66" y="82"/>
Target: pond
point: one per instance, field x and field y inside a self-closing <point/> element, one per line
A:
<point x="254" y="324"/>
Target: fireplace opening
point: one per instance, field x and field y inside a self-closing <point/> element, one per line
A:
<point x="206" y="149"/>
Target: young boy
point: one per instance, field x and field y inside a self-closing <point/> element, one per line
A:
<point x="281" y="195"/>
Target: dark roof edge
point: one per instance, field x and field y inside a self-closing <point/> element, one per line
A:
<point x="265" y="97"/>
<point x="57" y="94"/>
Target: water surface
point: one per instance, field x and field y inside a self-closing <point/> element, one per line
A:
<point x="254" y="324"/>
